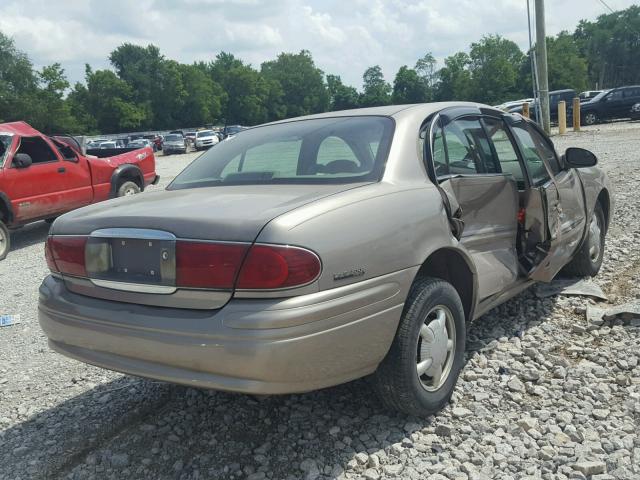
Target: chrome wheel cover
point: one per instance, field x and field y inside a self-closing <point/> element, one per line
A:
<point x="595" y="238"/>
<point x="436" y="348"/>
<point x="129" y="191"/>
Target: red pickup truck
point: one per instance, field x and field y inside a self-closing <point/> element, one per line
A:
<point x="42" y="177"/>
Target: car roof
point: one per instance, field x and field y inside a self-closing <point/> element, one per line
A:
<point x="19" y="128"/>
<point x="421" y="109"/>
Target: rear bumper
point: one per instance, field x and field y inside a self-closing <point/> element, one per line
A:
<point x="266" y="346"/>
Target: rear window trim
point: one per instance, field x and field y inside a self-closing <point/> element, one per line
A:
<point x="374" y="176"/>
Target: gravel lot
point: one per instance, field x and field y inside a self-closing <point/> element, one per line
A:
<point x="544" y="394"/>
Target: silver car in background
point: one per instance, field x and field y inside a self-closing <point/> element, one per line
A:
<point x="174" y="143"/>
<point x="317" y="250"/>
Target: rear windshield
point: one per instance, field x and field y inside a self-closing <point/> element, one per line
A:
<point x="173" y="138"/>
<point x="327" y="150"/>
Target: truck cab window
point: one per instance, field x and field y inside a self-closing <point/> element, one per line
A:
<point x="37" y="149"/>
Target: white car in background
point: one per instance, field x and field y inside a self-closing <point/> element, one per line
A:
<point x="205" y="139"/>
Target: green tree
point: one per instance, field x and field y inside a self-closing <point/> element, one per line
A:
<point x="110" y="100"/>
<point x="376" y="91"/>
<point x="154" y="80"/>
<point x="495" y="66"/>
<point x="52" y="111"/>
<point x="611" y="46"/>
<point x="203" y="102"/>
<point x="302" y="83"/>
<point x="426" y="69"/>
<point x="566" y="65"/>
<point x="454" y="79"/>
<point x="408" y="87"/>
<point x="250" y="98"/>
<point x="342" y="97"/>
<point x="18" y="82"/>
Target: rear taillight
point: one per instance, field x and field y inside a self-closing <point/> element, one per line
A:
<point x="208" y="265"/>
<point x="66" y="255"/>
<point x="270" y="266"/>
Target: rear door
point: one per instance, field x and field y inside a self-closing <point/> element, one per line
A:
<point x="555" y="206"/>
<point x="631" y="96"/>
<point x="483" y="199"/>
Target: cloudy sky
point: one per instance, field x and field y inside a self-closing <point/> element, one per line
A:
<point x="344" y="36"/>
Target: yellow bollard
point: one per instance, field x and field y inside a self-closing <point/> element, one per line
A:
<point x="525" y="110"/>
<point x="576" y="114"/>
<point x="562" y="117"/>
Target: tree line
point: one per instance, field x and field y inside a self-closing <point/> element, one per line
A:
<point x="144" y="90"/>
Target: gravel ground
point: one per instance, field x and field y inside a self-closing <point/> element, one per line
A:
<point x="544" y="394"/>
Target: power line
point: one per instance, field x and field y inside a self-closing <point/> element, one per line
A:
<point x="603" y="3"/>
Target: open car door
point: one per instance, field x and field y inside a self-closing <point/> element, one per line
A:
<point x="482" y="202"/>
<point x="554" y="206"/>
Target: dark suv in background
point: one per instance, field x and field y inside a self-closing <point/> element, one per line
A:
<point x="610" y="104"/>
<point x="555" y="97"/>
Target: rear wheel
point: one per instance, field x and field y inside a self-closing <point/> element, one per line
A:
<point x="5" y="240"/>
<point x="128" y="188"/>
<point x="420" y="371"/>
<point x="590" y="118"/>
<point x="588" y="260"/>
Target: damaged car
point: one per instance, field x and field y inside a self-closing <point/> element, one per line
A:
<point x="42" y="177"/>
<point x="316" y="250"/>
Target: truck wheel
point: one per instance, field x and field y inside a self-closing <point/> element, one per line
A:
<point x="419" y="373"/>
<point x="128" y="188"/>
<point x="590" y="118"/>
<point x="5" y="240"/>
<point x="588" y="260"/>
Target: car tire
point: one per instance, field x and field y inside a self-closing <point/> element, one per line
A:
<point x="590" y="118"/>
<point x="430" y="341"/>
<point x="128" y="188"/>
<point x="588" y="260"/>
<point x="5" y="241"/>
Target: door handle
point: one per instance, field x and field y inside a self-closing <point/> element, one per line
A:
<point x="62" y="170"/>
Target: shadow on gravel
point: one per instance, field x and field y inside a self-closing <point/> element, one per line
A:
<point x="143" y="429"/>
<point x="53" y="440"/>
<point x="29" y="235"/>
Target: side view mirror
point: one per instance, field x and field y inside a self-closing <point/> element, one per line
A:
<point x="22" y="160"/>
<point x="579" y="158"/>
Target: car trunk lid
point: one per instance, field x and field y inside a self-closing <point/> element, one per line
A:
<point x="222" y="213"/>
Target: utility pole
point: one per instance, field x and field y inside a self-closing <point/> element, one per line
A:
<point x="543" y="75"/>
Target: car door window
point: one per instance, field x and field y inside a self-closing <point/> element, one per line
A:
<point x="37" y="149"/>
<point x="534" y="149"/>
<point x="465" y="151"/>
<point x="632" y="93"/>
<point x="504" y="150"/>
<point x="615" y="95"/>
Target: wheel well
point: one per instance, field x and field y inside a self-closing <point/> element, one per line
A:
<point x="452" y="267"/>
<point x="5" y="212"/>
<point x="129" y="177"/>
<point x="125" y="173"/>
<point x="605" y="203"/>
